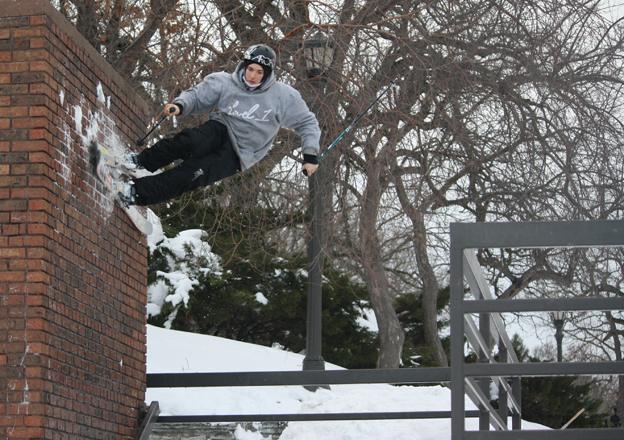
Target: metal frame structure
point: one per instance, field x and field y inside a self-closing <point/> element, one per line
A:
<point x="465" y="270"/>
<point x="465" y="379"/>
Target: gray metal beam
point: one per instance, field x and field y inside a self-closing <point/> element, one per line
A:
<point x="544" y="369"/>
<point x="311" y="417"/>
<point x="543" y="305"/>
<point x="311" y="377"/>
<point x="477" y="342"/>
<point x="151" y="417"/>
<point x="481" y="290"/>
<point x="595" y="233"/>
<point x="553" y="434"/>
<point x="484" y="401"/>
<point x="458" y="398"/>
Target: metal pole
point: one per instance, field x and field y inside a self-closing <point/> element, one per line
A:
<point x="313" y="359"/>
<point x="516" y="389"/>
<point x="458" y="377"/>
<point x="559" y="338"/>
<point x="503" y="397"/>
<point x="484" y="382"/>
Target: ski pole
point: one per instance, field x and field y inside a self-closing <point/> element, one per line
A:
<point x="353" y="123"/>
<point x="141" y="142"/>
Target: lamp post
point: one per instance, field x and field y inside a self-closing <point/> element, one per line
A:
<point x="558" y="319"/>
<point x="319" y="52"/>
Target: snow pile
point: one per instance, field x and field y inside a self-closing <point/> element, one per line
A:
<point x="186" y="258"/>
<point x="170" y="351"/>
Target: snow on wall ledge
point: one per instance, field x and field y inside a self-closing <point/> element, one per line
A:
<point x="73" y="268"/>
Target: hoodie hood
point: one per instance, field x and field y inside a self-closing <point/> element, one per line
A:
<point x="237" y="76"/>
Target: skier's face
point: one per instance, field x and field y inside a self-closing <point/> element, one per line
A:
<point x="254" y="73"/>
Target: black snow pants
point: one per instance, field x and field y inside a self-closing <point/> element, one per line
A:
<point x="207" y="156"/>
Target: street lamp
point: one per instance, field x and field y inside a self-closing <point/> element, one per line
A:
<point x="558" y="317"/>
<point x="319" y="52"/>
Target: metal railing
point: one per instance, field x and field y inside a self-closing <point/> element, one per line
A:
<point x="465" y="379"/>
<point x="475" y="378"/>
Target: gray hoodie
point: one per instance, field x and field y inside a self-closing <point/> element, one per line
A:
<point x="252" y="117"/>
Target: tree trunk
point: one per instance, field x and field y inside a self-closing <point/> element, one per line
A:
<point x="431" y="286"/>
<point x="430" y="290"/>
<point x="391" y="335"/>
<point x="88" y="22"/>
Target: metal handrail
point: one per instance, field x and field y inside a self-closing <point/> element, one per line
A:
<point x="303" y="378"/>
<point x="465" y="238"/>
<point x="151" y="417"/>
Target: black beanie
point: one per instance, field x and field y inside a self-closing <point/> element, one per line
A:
<point x="262" y="55"/>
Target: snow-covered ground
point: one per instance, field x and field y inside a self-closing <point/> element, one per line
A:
<point x="170" y="351"/>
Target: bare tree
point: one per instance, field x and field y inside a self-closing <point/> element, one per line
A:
<point x="502" y="111"/>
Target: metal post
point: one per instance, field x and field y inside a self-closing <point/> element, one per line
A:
<point x="313" y="359"/>
<point x="458" y="387"/>
<point x="503" y="398"/>
<point x="484" y="383"/>
<point x="559" y="338"/>
<point x="516" y="389"/>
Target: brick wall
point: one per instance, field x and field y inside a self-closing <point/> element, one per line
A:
<point x="72" y="267"/>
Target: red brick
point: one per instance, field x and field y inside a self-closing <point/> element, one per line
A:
<point x="9" y="230"/>
<point x="29" y="288"/>
<point x="29" y="145"/>
<point x="29" y="217"/>
<point x="14" y="67"/>
<point x="38" y="43"/>
<point x="37" y="277"/>
<point x="31" y="55"/>
<point x="36" y="324"/>
<point x="14" y="21"/>
<point x="12" y="253"/>
<point x="27" y="77"/>
<point x="22" y="264"/>
<point x="29" y="122"/>
<point x="40" y="133"/>
<point x="29" y="32"/>
<point x="15" y="44"/>
<point x="25" y="433"/>
<point x="39" y="205"/>
<point x="41" y="66"/>
<point x="12" y="276"/>
<point x="13" y="134"/>
<point x="40" y="111"/>
<point x="13" y="112"/>
<point x="38" y="20"/>
<point x="29" y="100"/>
<point x="13" y="89"/>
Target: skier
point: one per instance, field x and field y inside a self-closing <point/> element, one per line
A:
<point x="248" y="108"/>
